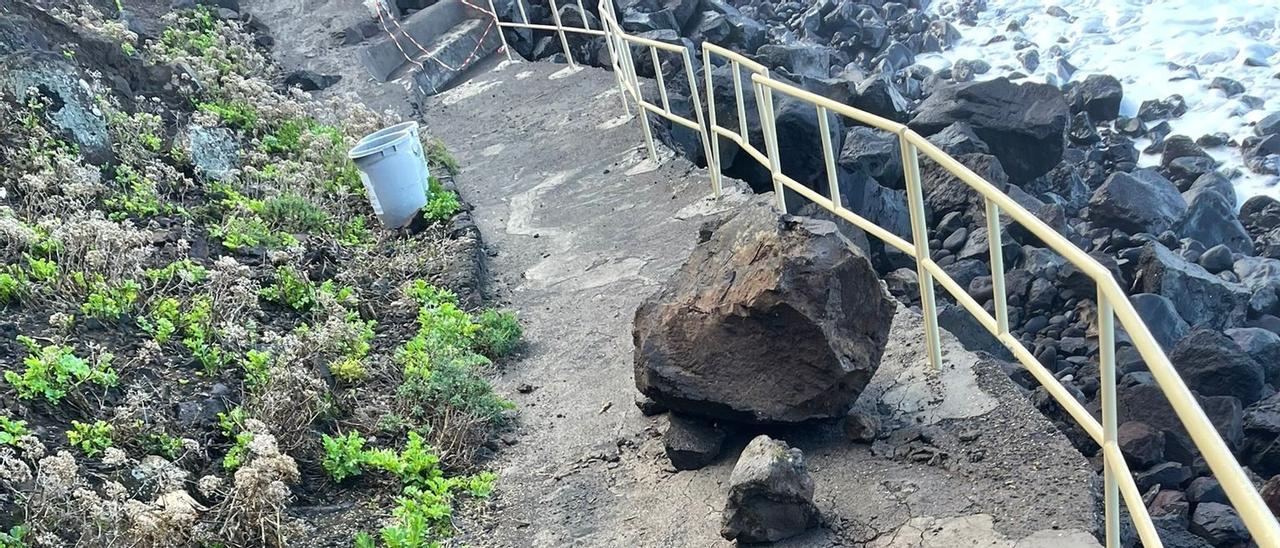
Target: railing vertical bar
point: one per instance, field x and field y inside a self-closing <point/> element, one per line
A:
<point x="828" y="156"/>
<point x="920" y="236"/>
<point x="564" y="41"/>
<point x="1107" y="362"/>
<point x="498" y="27"/>
<point x="657" y="75"/>
<point x="583" y="12"/>
<point x="713" y="162"/>
<point x="614" y="61"/>
<point x="696" y="98"/>
<point x="771" y="145"/>
<point x="741" y="102"/>
<point x="996" y="243"/>
<point x="523" y="15"/>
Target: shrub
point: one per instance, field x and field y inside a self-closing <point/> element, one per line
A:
<point x="243" y="232"/>
<point x="453" y="385"/>
<point x="499" y="333"/>
<point x="348" y="369"/>
<point x="162" y="322"/>
<point x="236" y="114"/>
<point x="287" y="137"/>
<point x="11" y="430"/>
<point x="13" y="286"/>
<point x="14" y="538"/>
<point x="163" y="444"/>
<point x="92" y="439"/>
<point x="294" y="213"/>
<point x="291" y="289"/>
<point x="343" y="455"/>
<point x="439" y="156"/>
<point x="257" y="368"/>
<point x="108" y="303"/>
<point x="441" y="204"/>
<point x="52" y="371"/>
<point x="42" y="270"/>
<point x="236" y="455"/>
<point x="184" y="270"/>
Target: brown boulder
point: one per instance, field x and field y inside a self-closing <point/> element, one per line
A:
<point x="771" y="320"/>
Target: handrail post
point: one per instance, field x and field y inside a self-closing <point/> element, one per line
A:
<point x="713" y="161"/>
<point x="828" y="157"/>
<point x="920" y="237"/>
<point x="1107" y="362"/>
<point x="501" y="36"/>
<point x="657" y="75"/>
<point x="768" y="125"/>
<point x="564" y="42"/>
<point x="996" y="243"/>
<point x="707" y="136"/>
<point x="614" y="62"/>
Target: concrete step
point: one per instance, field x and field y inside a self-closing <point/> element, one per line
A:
<point x="466" y="44"/>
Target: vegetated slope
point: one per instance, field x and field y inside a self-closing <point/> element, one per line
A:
<point x="206" y="337"/>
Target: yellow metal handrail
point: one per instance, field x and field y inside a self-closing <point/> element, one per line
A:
<point x="1112" y="302"/>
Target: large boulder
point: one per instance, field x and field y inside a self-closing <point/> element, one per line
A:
<point x="1141" y="201"/>
<point x="1022" y="124"/>
<point x="1219" y="524"/>
<point x="1261" y="345"/>
<point x="875" y="151"/>
<point x="1261" y="276"/>
<point x="1214" y="365"/>
<point x="945" y="193"/>
<point x="1201" y="298"/>
<point x="1211" y="220"/>
<point x="770" y="494"/>
<point x="709" y="341"/>
<point x="1161" y="317"/>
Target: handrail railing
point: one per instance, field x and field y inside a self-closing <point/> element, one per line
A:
<point x="1112" y="302"/>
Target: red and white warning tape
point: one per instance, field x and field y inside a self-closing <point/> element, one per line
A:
<point x="429" y="55"/>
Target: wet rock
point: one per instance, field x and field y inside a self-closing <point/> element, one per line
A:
<point x="944" y="193"/>
<point x="1168" y="475"/>
<point x="1206" y="489"/>
<point x="1098" y="95"/>
<point x="1022" y="124"/>
<point x="1141" y="201"/>
<point x="1261" y="276"/>
<point x="1201" y="298"/>
<point x="706" y="342"/>
<point x="308" y="80"/>
<point x="1141" y="444"/>
<point x="1081" y="131"/>
<point x="1030" y="59"/>
<point x="1214" y="365"/>
<point x="1162" y="109"/>
<point x="1268" y="125"/>
<point x="878" y="95"/>
<point x="957" y="139"/>
<point x="1185" y="170"/>
<point x="1215" y="139"/>
<point x="692" y="443"/>
<point x="770" y="494"/>
<point x="1158" y="312"/>
<point x="1211" y="220"/>
<point x="1180" y="146"/>
<point x="1216" y="259"/>
<point x="1218" y="523"/>
<point x="1260" y="214"/>
<point x="1228" y="86"/>
<point x="797" y="59"/>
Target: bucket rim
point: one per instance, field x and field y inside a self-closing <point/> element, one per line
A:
<point x="378" y="144"/>
<point x="409" y="126"/>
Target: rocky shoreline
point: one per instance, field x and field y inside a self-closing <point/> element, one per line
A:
<point x="1202" y="273"/>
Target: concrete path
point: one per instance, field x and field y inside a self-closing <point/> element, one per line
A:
<point x="582" y="227"/>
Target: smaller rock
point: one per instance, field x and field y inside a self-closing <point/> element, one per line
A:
<point x="1228" y="86"/>
<point x="1217" y="258"/>
<point x="1141" y="444"/>
<point x="308" y="80"/>
<point x="692" y="443"/>
<point x="1269" y="125"/>
<point x="648" y="407"/>
<point x="861" y="427"/>
<point x="1218" y="523"/>
<point x="770" y="494"/>
<point x="1168" y="475"/>
<point x="1206" y="489"/>
<point x="1270" y="494"/>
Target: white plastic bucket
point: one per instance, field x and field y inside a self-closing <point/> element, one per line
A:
<point x="394" y="171"/>
<point x="416" y="142"/>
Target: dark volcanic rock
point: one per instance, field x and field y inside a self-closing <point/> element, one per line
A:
<point x="1219" y="524"/>
<point x="307" y="80"/>
<point x="1214" y="365"/>
<point x="1211" y="220"/>
<point x="875" y="151"/>
<point x="770" y="494"/>
<point x="957" y="139"/>
<point x="1141" y="201"/>
<point x="1022" y="124"/>
<point x="1158" y="312"/>
<point x="945" y="193"/>
<point x="692" y="443"/>
<point x="1261" y="345"/>
<point x="1098" y="95"/>
<point x="1201" y="298"/>
<point x="1141" y="444"/>
<point x="706" y="343"/>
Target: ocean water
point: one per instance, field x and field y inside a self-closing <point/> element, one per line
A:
<point x="1135" y="41"/>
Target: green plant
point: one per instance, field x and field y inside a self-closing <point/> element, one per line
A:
<point x="236" y="114"/>
<point x="242" y="232"/>
<point x="93" y="438"/>
<point x="184" y="270"/>
<point x="343" y="455"/>
<point x="348" y="369"/>
<point x="362" y="540"/>
<point x="52" y="371"/>
<point x="14" y="538"/>
<point x="129" y="49"/>
<point x="11" y="430"/>
<point x="452" y="382"/>
<point x="41" y="270"/>
<point x="441" y="204"/>
<point x="290" y="288"/>
<point x="294" y="213"/>
<point x="235" y="456"/>
<point x="429" y="295"/>
<point x="287" y="137"/>
<point x="13" y="286"/>
<point x="231" y="422"/>
<point x="355" y="233"/>
<point x="257" y="368"/>
<point x="136" y="196"/>
<point x="499" y="333"/>
<point x="162" y="322"/>
<point x="108" y="303"/>
<point x="164" y="445"/>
